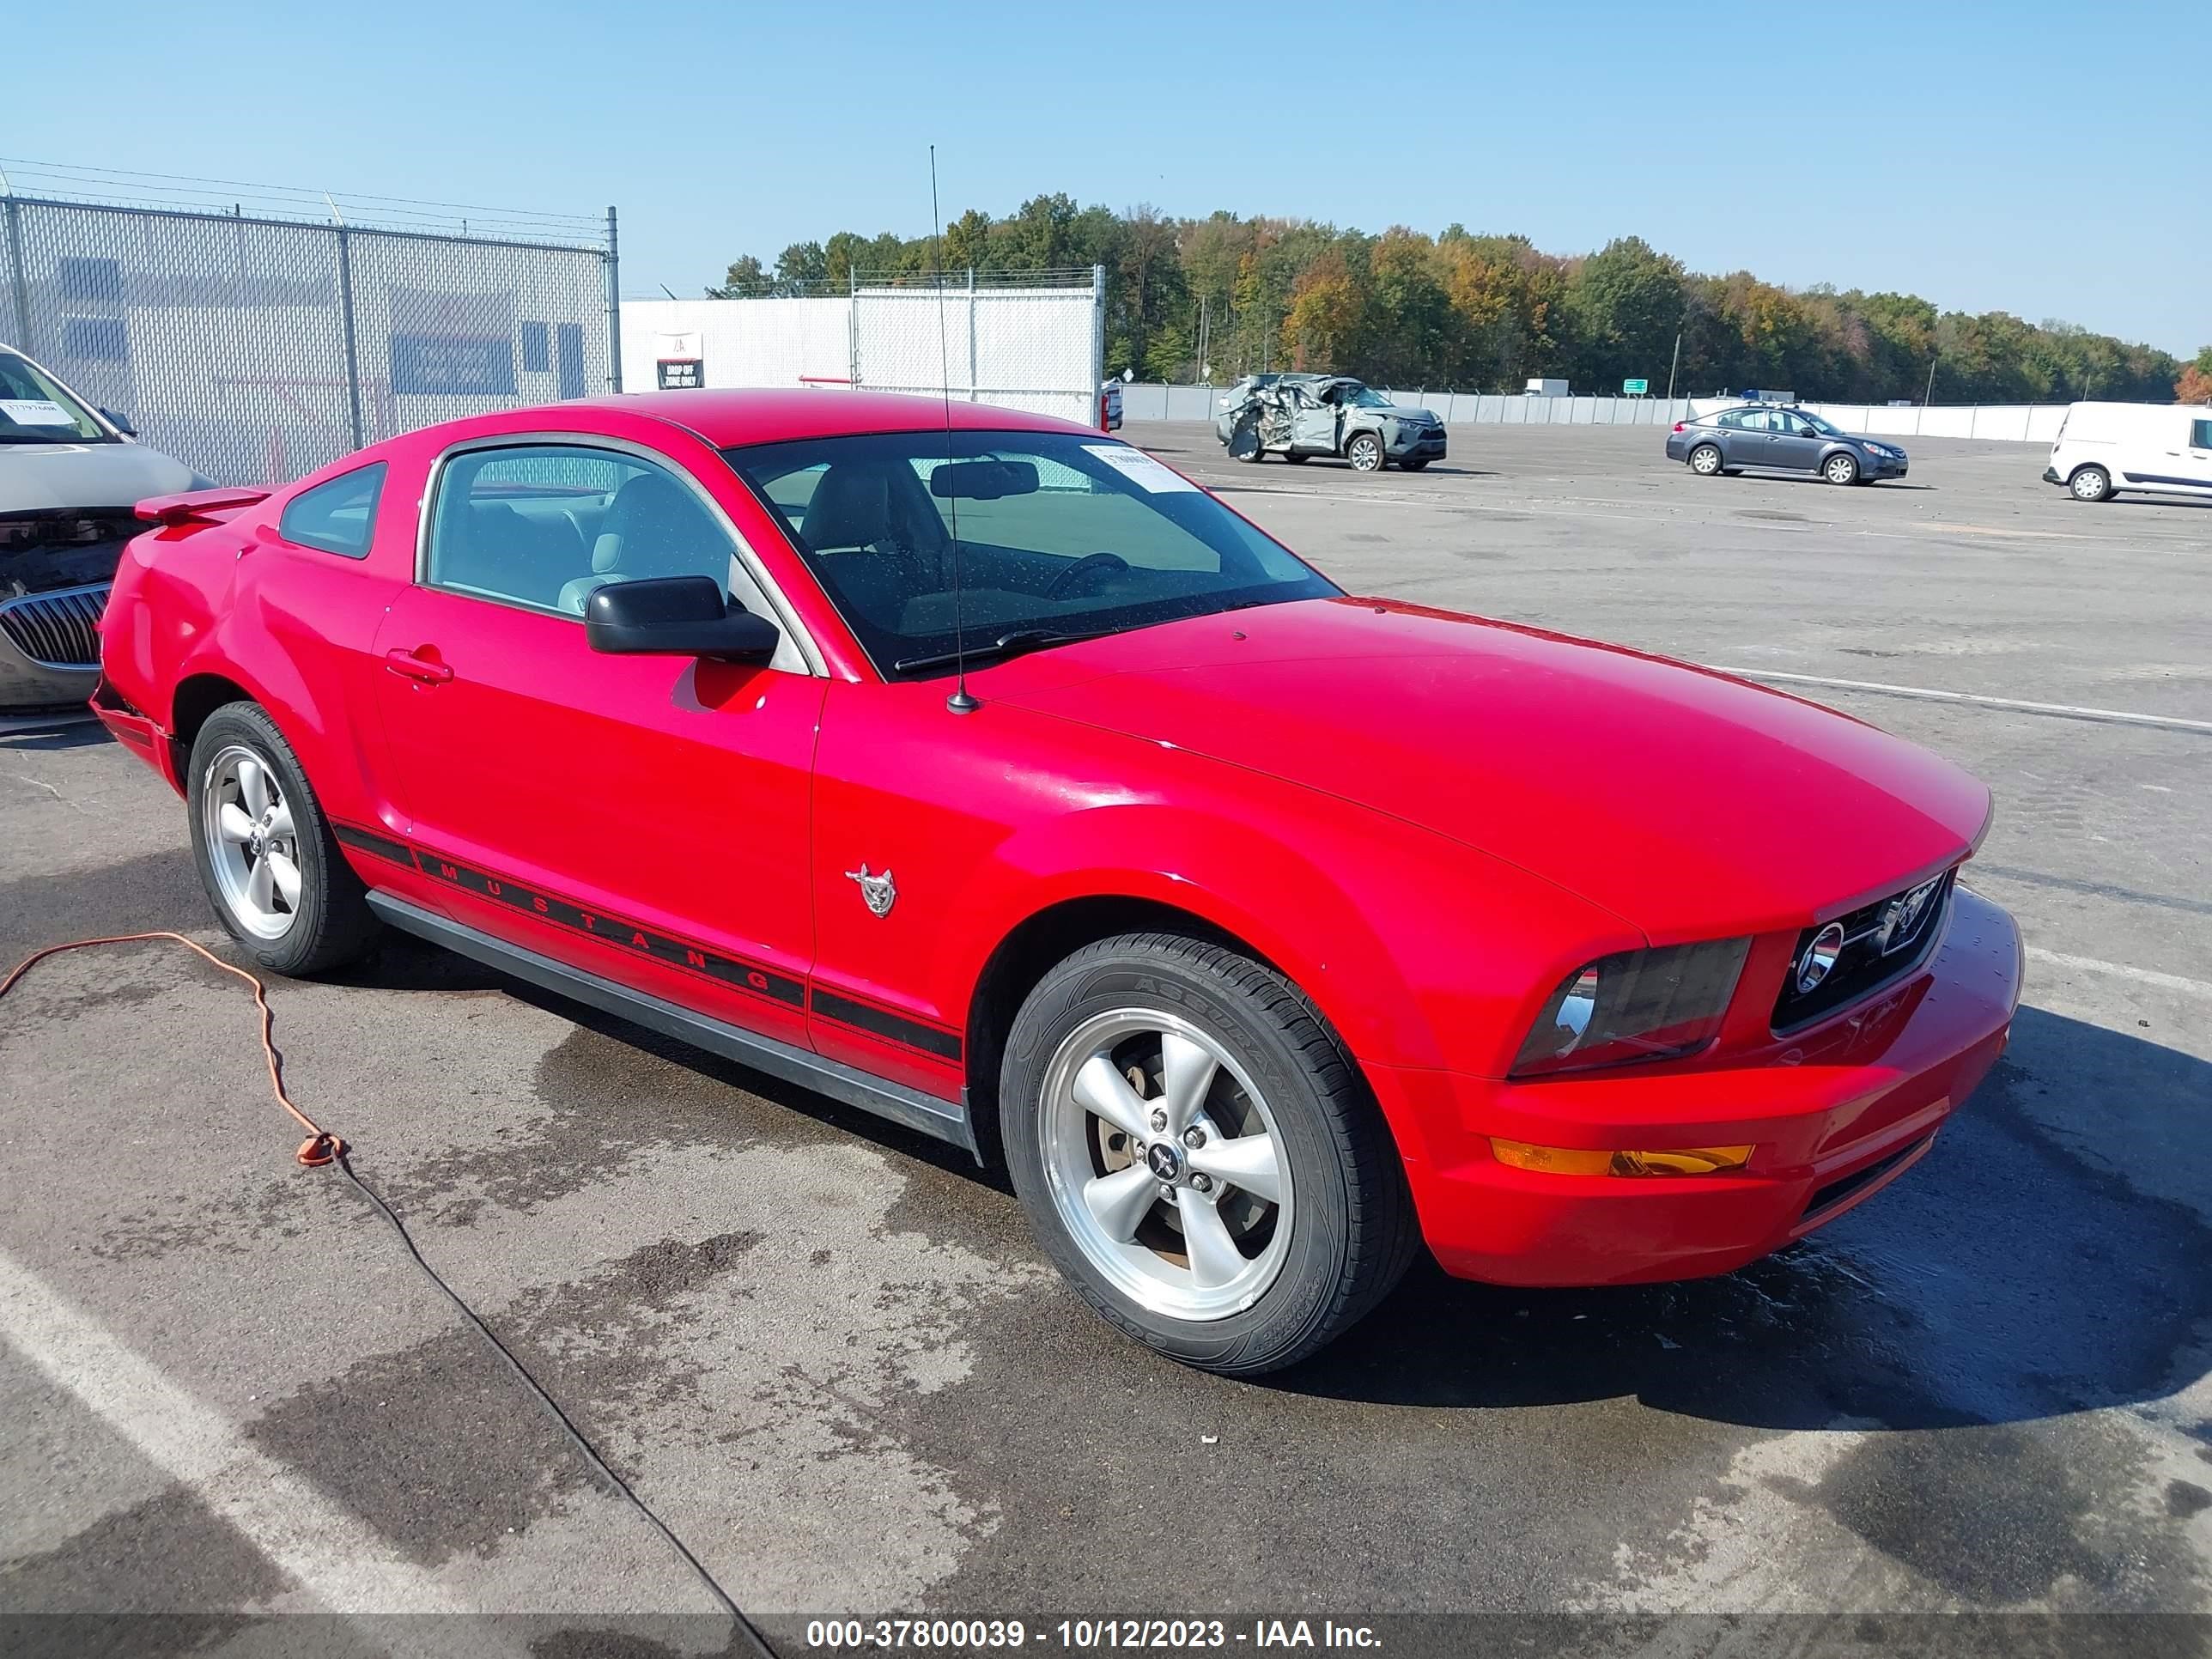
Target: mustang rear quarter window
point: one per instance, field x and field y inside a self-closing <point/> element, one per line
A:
<point x="339" y="516"/>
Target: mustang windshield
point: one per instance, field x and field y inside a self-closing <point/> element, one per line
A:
<point x="1061" y="538"/>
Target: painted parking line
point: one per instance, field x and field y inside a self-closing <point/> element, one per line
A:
<point x="2180" y="982"/>
<point x="312" y="1540"/>
<point x="1926" y="694"/>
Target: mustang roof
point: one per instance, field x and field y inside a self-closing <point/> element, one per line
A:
<point x="765" y="416"/>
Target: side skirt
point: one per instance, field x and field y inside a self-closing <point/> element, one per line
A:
<point x="901" y="1104"/>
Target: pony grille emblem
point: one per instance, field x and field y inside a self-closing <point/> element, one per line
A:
<point x="880" y="891"/>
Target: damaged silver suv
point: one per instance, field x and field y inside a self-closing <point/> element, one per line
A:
<point x="70" y="476"/>
<point x="1299" y="416"/>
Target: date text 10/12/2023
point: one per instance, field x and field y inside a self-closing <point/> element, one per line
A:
<point x="1083" y="1635"/>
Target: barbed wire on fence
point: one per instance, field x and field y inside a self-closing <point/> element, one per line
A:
<point x="117" y="187"/>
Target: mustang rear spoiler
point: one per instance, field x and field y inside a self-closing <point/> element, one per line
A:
<point x="197" y="506"/>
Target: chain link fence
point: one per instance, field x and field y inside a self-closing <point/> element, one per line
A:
<point x="255" y="347"/>
<point x="1032" y="340"/>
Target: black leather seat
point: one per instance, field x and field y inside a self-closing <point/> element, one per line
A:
<point x="873" y="535"/>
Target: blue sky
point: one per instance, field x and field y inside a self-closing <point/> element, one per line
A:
<point x="2050" y="160"/>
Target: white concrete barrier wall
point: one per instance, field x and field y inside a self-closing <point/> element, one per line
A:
<point x="2034" y="424"/>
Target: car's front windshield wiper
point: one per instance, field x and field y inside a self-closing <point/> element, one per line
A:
<point x="1007" y="645"/>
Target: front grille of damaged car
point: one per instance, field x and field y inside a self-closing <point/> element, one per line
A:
<point x="59" y="630"/>
<point x="1866" y="961"/>
<point x="69" y="548"/>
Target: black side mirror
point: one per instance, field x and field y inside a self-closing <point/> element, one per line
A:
<point x="120" y="423"/>
<point x="676" y="616"/>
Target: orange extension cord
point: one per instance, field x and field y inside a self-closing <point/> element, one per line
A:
<point x="322" y="1148"/>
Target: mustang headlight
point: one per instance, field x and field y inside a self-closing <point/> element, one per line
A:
<point x="1638" y="1005"/>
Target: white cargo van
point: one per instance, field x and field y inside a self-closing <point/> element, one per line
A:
<point x="2151" y="449"/>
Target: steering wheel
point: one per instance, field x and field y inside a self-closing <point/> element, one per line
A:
<point x="1068" y="578"/>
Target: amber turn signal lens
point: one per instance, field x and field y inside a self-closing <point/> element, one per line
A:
<point x="1568" y="1160"/>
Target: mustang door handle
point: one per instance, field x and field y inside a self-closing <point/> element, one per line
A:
<point x="407" y="664"/>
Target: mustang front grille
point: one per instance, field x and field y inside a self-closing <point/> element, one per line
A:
<point x="1880" y="943"/>
<point x="57" y="629"/>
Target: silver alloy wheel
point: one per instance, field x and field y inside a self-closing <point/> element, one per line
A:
<point x="1704" y="460"/>
<point x="253" y="845"/>
<point x="1365" y="453"/>
<point x="1174" y="1184"/>
<point x="1841" y="469"/>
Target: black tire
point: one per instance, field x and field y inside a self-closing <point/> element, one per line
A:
<point x="1297" y="455"/>
<point x="1365" y="453"/>
<point x="332" y="924"/>
<point x="1841" y="469"/>
<point x="1413" y="466"/>
<point x="1706" y="461"/>
<point x="1353" y="1230"/>
<point x="2090" y="484"/>
<point x="1244" y="440"/>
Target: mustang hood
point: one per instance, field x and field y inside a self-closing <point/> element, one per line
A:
<point x="43" y="477"/>
<point x="1687" y="803"/>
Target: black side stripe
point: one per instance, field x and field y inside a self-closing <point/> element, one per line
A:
<point x="757" y="979"/>
<point x="376" y="846"/>
<point x="883" y="1023"/>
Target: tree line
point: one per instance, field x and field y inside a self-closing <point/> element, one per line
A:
<point x="1223" y="296"/>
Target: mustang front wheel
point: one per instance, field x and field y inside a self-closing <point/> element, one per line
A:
<point x="1198" y="1156"/>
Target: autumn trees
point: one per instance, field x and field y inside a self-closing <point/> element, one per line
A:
<point x="1484" y="313"/>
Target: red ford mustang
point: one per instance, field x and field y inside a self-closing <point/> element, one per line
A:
<point x="1254" y="925"/>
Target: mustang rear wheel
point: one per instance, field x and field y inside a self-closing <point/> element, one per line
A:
<point x="1198" y="1156"/>
<point x="265" y="850"/>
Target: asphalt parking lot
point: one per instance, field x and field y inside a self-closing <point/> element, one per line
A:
<point x="827" y="1353"/>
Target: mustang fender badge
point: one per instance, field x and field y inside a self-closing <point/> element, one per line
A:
<point x="880" y="891"/>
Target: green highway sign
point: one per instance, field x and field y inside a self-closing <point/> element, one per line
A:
<point x="1634" y="388"/>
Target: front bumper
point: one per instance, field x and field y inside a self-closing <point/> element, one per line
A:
<point x="1882" y="466"/>
<point x="1426" y="444"/>
<point x="1847" y="1109"/>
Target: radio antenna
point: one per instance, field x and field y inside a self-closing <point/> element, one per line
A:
<point x="959" y="702"/>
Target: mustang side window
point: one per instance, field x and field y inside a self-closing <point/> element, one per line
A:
<point x="339" y="516"/>
<point x="544" y="525"/>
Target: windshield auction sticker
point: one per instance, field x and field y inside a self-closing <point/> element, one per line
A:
<point x="1140" y="468"/>
<point x="35" y="411"/>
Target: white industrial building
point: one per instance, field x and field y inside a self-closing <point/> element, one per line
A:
<point x="1031" y="343"/>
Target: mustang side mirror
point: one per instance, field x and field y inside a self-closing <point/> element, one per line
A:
<point x="676" y="616"/>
